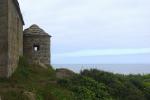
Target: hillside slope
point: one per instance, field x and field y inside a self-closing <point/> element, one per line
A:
<point x="32" y="80"/>
<point x="35" y="82"/>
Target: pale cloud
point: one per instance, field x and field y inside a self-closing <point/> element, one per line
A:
<point x="78" y="25"/>
<point x="105" y="52"/>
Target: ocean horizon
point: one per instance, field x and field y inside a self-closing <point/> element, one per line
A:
<point x="114" y="68"/>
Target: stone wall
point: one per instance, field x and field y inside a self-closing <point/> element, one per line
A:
<point x="11" y="37"/>
<point x="15" y="37"/>
<point x="3" y="37"/>
<point x="40" y="56"/>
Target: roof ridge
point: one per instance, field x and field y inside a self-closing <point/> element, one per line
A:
<point x="35" y="30"/>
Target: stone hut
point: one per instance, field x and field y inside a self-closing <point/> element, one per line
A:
<point x="11" y="36"/>
<point x="36" y="45"/>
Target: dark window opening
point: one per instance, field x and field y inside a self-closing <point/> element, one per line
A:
<point x="36" y="48"/>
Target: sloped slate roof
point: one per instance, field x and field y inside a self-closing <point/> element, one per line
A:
<point x="35" y="30"/>
<point x="18" y="9"/>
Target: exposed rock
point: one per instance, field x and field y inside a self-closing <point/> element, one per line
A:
<point x="64" y="73"/>
<point x="30" y="95"/>
<point x="43" y="65"/>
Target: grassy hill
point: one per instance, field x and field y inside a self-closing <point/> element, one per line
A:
<point x="33" y="82"/>
<point x="33" y="79"/>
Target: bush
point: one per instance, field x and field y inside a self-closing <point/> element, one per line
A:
<point x="85" y="88"/>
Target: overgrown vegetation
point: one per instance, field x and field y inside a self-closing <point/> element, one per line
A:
<point x="99" y="85"/>
<point x="88" y="85"/>
<point x="85" y="88"/>
<point x="35" y="79"/>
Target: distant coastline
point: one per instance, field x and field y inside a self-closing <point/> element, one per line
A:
<point x="115" y="68"/>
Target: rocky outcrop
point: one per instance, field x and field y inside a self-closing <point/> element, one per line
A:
<point x="30" y="95"/>
<point x="64" y="73"/>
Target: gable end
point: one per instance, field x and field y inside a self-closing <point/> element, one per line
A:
<point x="18" y="10"/>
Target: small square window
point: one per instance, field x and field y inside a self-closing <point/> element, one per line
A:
<point x="36" y="48"/>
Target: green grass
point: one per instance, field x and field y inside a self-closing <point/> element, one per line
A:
<point x="35" y="79"/>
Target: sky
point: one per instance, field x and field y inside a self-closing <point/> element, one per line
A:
<point x="93" y="31"/>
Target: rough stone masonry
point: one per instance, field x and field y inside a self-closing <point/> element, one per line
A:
<point x="11" y="40"/>
<point x="36" y="45"/>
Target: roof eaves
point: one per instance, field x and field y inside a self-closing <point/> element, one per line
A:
<point x="19" y="11"/>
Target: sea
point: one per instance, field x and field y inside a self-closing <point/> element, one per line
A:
<point x="114" y="68"/>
